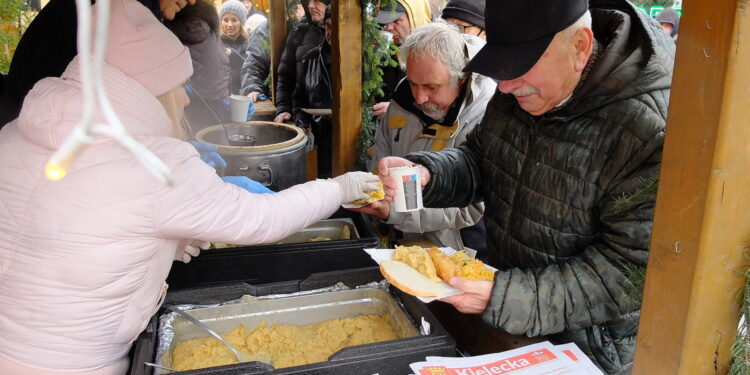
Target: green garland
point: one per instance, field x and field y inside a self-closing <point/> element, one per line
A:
<point x="741" y="346"/>
<point x="377" y="51"/>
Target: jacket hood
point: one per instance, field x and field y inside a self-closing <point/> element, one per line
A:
<point x="419" y="12"/>
<point x="636" y="57"/>
<point x="669" y="15"/>
<point x="54" y="107"/>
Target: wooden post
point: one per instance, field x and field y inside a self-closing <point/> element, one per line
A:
<point x="702" y="220"/>
<point x="346" y="74"/>
<point x="277" y="24"/>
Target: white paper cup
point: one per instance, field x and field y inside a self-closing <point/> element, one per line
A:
<point x="240" y="105"/>
<point x="408" y="188"/>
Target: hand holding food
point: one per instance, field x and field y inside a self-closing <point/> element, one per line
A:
<point x="374" y="195"/>
<point x="354" y="184"/>
<point x="419" y="272"/>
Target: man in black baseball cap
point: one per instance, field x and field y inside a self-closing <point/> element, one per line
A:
<point x="576" y="125"/>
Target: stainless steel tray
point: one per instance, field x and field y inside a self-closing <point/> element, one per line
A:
<point x="296" y="310"/>
<point x="329" y="228"/>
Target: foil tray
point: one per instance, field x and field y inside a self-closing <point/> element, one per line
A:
<point x="296" y="310"/>
<point x="329" y="228"/>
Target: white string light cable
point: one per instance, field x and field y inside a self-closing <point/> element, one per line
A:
<point x="94" y="93"/>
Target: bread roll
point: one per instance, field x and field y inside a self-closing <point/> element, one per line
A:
<point x="407" y="279"/>
<point x="417" y="258"/>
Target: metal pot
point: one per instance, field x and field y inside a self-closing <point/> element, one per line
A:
<point x="268" y="152"/>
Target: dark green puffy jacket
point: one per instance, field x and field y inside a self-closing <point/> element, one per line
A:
<point x="550" y="182"/>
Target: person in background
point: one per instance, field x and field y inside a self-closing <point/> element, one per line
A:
<point x="48" y="45"/>
<point x="257" y="65"/>
<point x="299" y="11"/>
<point x="669" y="21"/>
<point x="198" y="28"/>
<point x="436" y="6"/>
<point x="467" y="15"/>
<point x="234" y="38"/>
<point x="435" y="107"/>
<point x="254" y="17"/>
<point x="314" y="91"/>
<point x="307" y="35"/>
<point x="398" y="21"/>
<point x="95" y="247"/>
<point x="576" y="124"/>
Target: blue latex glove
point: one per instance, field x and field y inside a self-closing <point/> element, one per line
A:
<point x="209" y="154"/>
<point x="247" y="184"/>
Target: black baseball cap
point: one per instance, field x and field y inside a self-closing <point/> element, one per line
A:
<point x="518" y="33"/>
<point x="390" y="14"/>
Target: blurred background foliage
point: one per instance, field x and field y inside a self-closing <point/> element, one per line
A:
<point x="15" y="16"/>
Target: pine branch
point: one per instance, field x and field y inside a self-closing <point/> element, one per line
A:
<point x="377" y="51"/>
<point x="637" y="276"/>
<point x="741" y="346"/>
<point x="646" y="193"/>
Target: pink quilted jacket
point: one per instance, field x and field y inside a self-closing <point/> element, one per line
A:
<point x="83" y="260"/>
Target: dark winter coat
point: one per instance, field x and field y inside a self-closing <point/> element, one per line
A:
<point x="300" y="41"/>
<point x="236" y="51"/>
<point x="551" y="184"/>
<point x="313" y="88"/>
<point x="197" y="27"/>
<point x="257" y="65"/>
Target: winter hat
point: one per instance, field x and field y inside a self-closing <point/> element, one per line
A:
<point x="235" y="7"/>
<point x="471" y="11"/>
<point x="669" y="15"/>
<point x="142" y="48"/>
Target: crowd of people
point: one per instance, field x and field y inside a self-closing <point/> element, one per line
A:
<point x="527" y="123"/>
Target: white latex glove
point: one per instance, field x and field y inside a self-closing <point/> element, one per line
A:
<point x="192" y="249"/>
<point x="354" y="184"/>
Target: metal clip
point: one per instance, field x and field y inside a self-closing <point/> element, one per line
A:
<point x="424" y="328"/>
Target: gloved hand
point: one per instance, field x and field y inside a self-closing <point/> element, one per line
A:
<point x="209" y="155"/>
<point x="192" y="249"/>
<point x="354" y="184"/>
<point x="247" y="184"/>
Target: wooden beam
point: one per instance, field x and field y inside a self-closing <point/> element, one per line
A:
<point x="702" y="220"/>
<point x="277" y="25"/>
<point x="346" y="69"/>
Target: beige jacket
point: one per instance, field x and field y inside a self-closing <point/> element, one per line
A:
<point x="401" y="132"/>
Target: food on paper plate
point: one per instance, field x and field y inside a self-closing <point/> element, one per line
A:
<point x="375" y="195"/>
<point x="406" y="278"/>
<point x="416" y="257"/>
<point x="471" y="268"/>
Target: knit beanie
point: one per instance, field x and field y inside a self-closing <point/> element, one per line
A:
<point x="235" y="7"/>
<point x="142" y="48"/>
<point x="471" y="11"/>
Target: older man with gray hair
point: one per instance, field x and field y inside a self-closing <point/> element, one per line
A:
<point x="435" y="107"/>
<point x="565" y="160"/>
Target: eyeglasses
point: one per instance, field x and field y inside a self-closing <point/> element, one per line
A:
<point x="462" y="29"/>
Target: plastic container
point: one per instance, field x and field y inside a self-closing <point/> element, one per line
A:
<point x="385" y="358"/>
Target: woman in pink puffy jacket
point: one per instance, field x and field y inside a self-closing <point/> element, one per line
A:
<point x="83" y="260"/>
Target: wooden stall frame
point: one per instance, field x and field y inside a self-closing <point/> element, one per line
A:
<point x="277" y="28"/>
<point x="346" y="71"/>
<point x="702" y="220"/>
